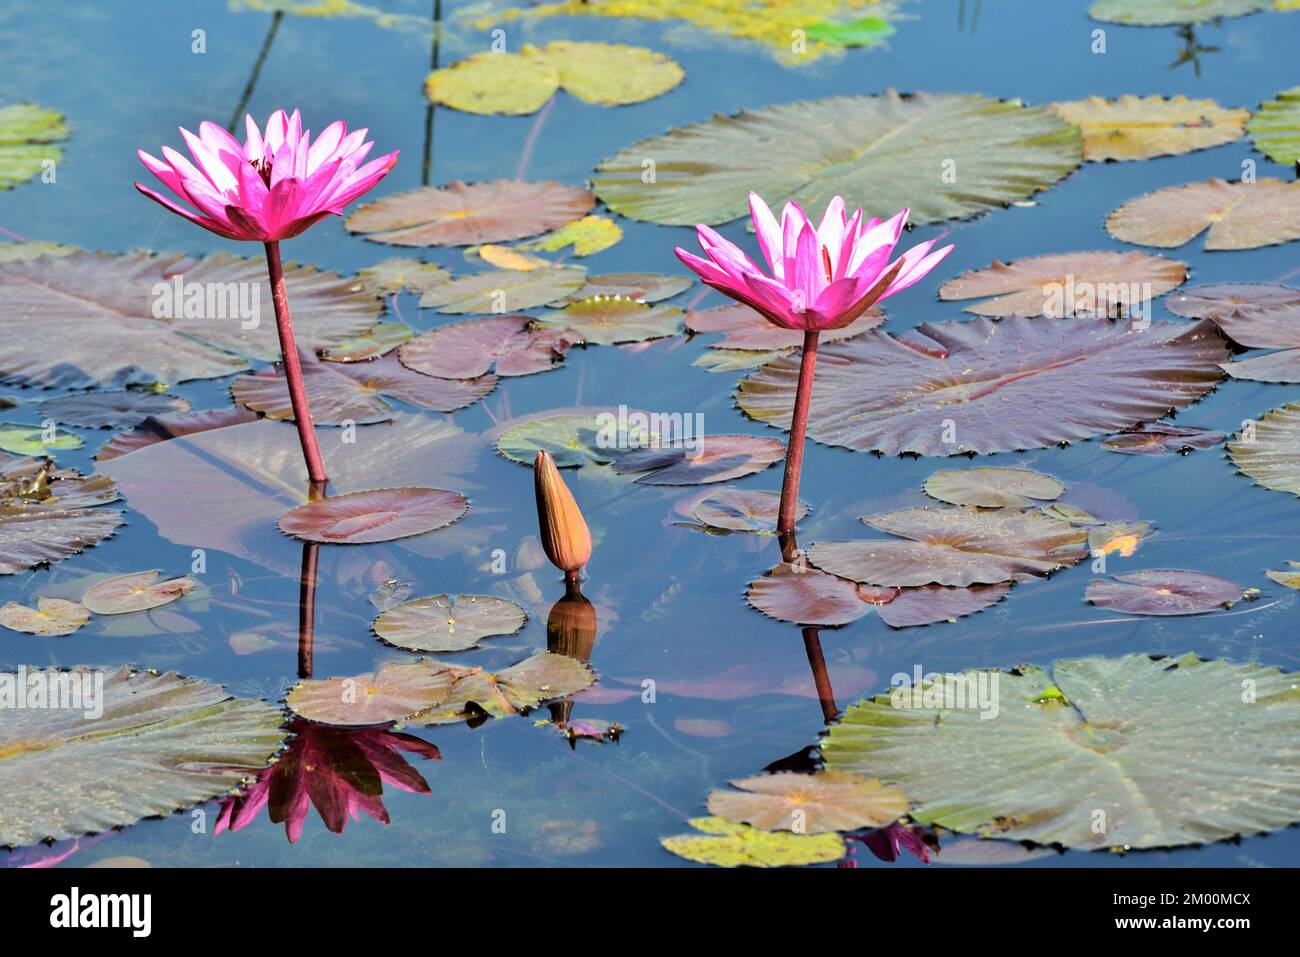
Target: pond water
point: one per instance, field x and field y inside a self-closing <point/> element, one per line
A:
<point x="734" y="689"/>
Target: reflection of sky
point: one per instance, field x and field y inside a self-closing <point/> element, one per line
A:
<point x="670" y="598"/>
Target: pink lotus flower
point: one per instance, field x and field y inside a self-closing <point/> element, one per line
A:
<point x="272" y="187"/>
<point x="823" y="277"/>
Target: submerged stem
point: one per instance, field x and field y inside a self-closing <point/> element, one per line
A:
<point x="293" y="368"/>
<point x="798" y="426"/>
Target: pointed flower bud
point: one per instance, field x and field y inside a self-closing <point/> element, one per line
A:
<point x="563" y="531"/>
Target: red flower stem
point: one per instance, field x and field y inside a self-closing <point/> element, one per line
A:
<point x="798" y="426"/>
<point x="293" y="367"/>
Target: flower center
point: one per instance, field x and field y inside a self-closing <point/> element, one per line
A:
<point x="263" y="168"/>
<point x="826" y="264"/>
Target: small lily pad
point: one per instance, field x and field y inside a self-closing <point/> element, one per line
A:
<point x="993" y="487"/>
<point x="111" y="410"/>
<point x="393" y="693"/>
<point x="51" y="616"/>
<point x="809" y="803"/>
<point x="35" y="441"/>
<point x="138" y="591"/>
<point x="374" y="515"/>
<point x="1164" y="592"/>
<point x="448" y="623"/>
<point x="725" y="844"/>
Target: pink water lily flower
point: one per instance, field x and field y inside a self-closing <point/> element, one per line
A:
<point x="822" y="277"/>
<point x="273" y="186"/>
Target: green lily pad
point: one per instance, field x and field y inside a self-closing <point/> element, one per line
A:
<point x="545" y="676"/>
<point x="448" y="623"/>
<point x="725" y="844"/>
<point x="993" y="487"/>
<point x="162" y="743"/>
<point x="591" y="234"/>
<point x="27" y="135"/>
<point x="879" y="152"/>
<point x="1275" y="127"/>
<point x="865" y="32"/>
<point x="34" y="441"/>
<point x="1133" y="752"/>
<point x="606" y="321"/>
<point x="504" y="290"/>
<point x="1160" y="13"/>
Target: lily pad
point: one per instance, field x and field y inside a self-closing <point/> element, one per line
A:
<point x="447" y="623"/>
<point x="1238" y="215"/>
<point x="391" y="276"/>
<point x="46" y="515"/>
<point x="725" y="844"/>
<point x="1275" y="127"/>
<point x="138" y="591"/>
<point x="573" y="440"/>
<point x="1160" y="13"/>
<point x="160" y="428"/>
<point x="741" y="510"/>
<point x="375" y="515"/>
<point x="984" y="386"/>
<point x="1291" y="578"/>
<point x="1001" y="152"/>
<point x="100" y="310"/>
<point x="544" y="677"/>
<point x="520" y="83"/>
<point x="27" y="136"/>
<point x="465" y="215"/>
<point x="745" y="329"/>
<point x="1252" y="315"/>
<point x="993" y="487"/>
<point x="606" y="321"/>
<point x="111" y="410"/>
<point x="809" y="803"/>
<point x="513" y="345"/>
<point x="719" y="458"/>
<point x="1269" y="449"/>
<point x="344" y="393"/>
<point x="643" y="287"/>
<point x="1091" y="284"/>
<point x="35" y="441"/>
<point x="382" y="339"/>
<point x="932" y="604"/>
<point x="587" y="236"/>
<point x="1160" y="438"/>
<point x="954" y="546"/>
<point x="504" y="290"/>
<point x="1140" y="127"/>
<point x="1164" y="592"/>
<point x="162" y="743"/>
<point x="51" y="616"/>
<point x="392" y="693"/>
<point x="1116" y="734"/>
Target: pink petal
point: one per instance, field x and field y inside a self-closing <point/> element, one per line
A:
<point x="769" y="234"/>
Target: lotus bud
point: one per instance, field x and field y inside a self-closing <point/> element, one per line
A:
<point x="563" y="531"/>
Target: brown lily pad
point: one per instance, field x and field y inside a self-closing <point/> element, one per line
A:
<point x="513" y="345"/>
<point x="643" y="287"/>
<point x="51" y="616"/>
<point x="111" y="410"/>
<point x="809" y="803"/>
<point x="160" y="428"/>
<point x="745" y="329"/>
<point x="375" y="515"/>
<point x="1090" y="284"/>
<point x="1160" y="438"/>
<point x="1164" y="592"/>
<point x="1140" y="127"/>
<point x="721" y="458"/>
<point x="932" y="604"/>
<point x="741" y="510"/>
<point x="807" y="596"/>
<point x="993" y="487"/>
<point x="1238" y="215"/>
<point x="48" y="514"/>
<point x="138" y="591"/>
<point x="1255" y="315"/>
<point x="984" y="386"/>
<point x="465" y="215"/>
<point x="448" y="623"/>
<point x="393" y="693"/>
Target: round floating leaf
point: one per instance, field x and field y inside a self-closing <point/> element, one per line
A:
<point x="160" y="428"/>
<point x="1159" y="438"/>
<point x="806" y="596"/>
<point x="520" y="83"/>
<point x="993" y="487"/>
<point x="1164" y="592"/>
<point x="809" y="803"/>
<point x="740" y="510"/>
<point x="1092" y="284"/>
<point x="392" y="693"/>
<point x="1238" y="215"/>
<point x="98" y="328"/>
<point x="587" y="236"/>
<point x="392" y="276"/>
<point x="375" y="515"/>
<point x="545" y="676"/>
<point x="504" y="290"/>
<point x="1275" y="127"/>
<point x="138" y="591"/>
<point x="931" y="604"/>
<point x="514" y="345"/>
<point x="46" y="515"/>
<point x="643" y="287"/>
<point x="1252" y="315"/>
<point x="162" y="743"/>
<point x="879" y="152"/>
<point x="27" y="135"/>
<point x="1167" y="749"/>
<point x="111" y="410"/>
<point x="51" y="616"/>
<point x="466" y="215"/>
<point x="1139" y="127"/>
<point x="982" y="386"/>
<point x="572" y="440"/>
<point x="35" y="441"/>
<point x="607" y="321"/>
<point x="1269" y="450"/>
<point x="954" y="546"/>
<point x="1159" y="13"/>
<point x="746" y="329"/>
<point x="724" y="844"/>
<point x="717" y="458"/>
<point x="343" y="393"/>
<point x="1291" y="579"/>
<point x="447" y="623"/>
<point x="382" y="339"/>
